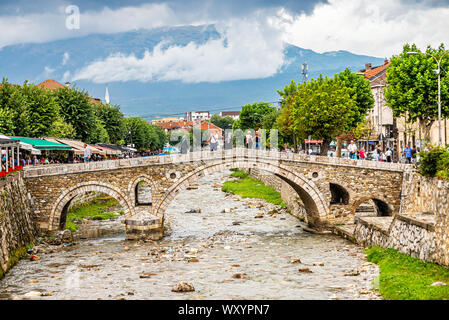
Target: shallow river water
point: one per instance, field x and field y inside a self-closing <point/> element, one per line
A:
<point x="225" y="255"/>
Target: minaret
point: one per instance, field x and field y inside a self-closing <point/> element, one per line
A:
<point x="106" y="96"/>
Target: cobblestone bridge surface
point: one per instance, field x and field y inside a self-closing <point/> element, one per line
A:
<point x="317" y="181"/>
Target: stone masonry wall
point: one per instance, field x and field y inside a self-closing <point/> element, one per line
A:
<point x="17" y="228"/>
<point x="429" y="195"/>
<point x="288" y="194"/>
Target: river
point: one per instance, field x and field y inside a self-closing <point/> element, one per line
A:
<point x="224" y="251"/>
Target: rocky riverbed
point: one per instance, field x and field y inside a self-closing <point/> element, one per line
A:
<point x="218" y="246"/>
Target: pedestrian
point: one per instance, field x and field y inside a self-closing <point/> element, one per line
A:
<point x="249" y="140"/>
<point x="352" y="148"/>
<point x="379" y="152"/>
<point x="408" y="154"/>
<point x="414" y="154"/>
<point x="362" y="154"/>
<point x="257" y="141"/>
<point x="86" y="153"/>
<point x="388" y="154"/>
<point x="228" y="141"/>
<point x="213" y="141"/>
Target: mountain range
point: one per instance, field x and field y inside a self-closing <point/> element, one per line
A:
<point x="37" y="62"/>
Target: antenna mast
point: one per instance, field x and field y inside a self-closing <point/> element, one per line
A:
<point x="304" y="71"/>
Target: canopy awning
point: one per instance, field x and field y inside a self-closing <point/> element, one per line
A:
<point x="42" y="144"/>
<point x="108" y="151"/>
<point x="77" y="146"/>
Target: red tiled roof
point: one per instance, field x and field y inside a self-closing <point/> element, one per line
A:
<point x="51" y="84"/>
<point x="371" y="73"/>
<point x="205" y="125"/>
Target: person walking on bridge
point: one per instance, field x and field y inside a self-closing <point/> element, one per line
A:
<point x="352" y="148"/>
<point x="86" y="153"/>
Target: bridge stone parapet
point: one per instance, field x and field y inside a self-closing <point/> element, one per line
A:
<point x="53" y="187"/>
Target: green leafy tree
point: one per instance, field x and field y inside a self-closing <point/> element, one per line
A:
<point x="360" y="92"/>
<point x="77" y="110"/>
<point x="40" y="112"/>
<point x="412" y="89"/>
<point x="144" y="135"/>
<point x="112" y="118"/>
<point x="323" y="108"/>
<point x="61" y="129"/>
<point x="251" y="116"/>
<point x="222" y="122"/>
<point x="285" y="121"/>
<point x="12" y="107"/>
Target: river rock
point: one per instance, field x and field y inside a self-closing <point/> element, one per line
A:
<point x="305" y="270"/>
<point x="352" y="273"/>
<point x="260" y="215"/>
<point x="34" y="258"/>
<point x="239" y="275"/>
<point x="295" y="261"/>
<point x="146" y="275"/>
<point x="193" y="260"/>
<point x="32" y="294"/>
<point x="183" y="287"/>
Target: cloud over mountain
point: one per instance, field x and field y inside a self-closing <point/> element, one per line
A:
<point x="246" y="49"/>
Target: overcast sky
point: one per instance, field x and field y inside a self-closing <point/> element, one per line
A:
<point x="249" y="28"/>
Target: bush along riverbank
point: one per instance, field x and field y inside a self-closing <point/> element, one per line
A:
<point x="100" y="208"/>
<point x="248" y="187"/>
<point x="406" y="278"/>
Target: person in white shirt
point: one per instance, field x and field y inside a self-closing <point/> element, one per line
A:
<point x="86" y="153"/>
<point x="352" y="148"/>
<point x="213" y="141"/>
<point x="249" y="140"/>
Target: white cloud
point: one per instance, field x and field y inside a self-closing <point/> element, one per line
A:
<point x="366" y="27"/>
<point x="247" y="49"/>
<point x="65" y="58"/>
<point x="44" y="27"/>
<point x="48" y="71"/>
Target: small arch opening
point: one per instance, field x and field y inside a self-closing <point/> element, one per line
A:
<point x="373" y="208"/>
<point x="339" y="195"/>
<point x="142" y="194"/>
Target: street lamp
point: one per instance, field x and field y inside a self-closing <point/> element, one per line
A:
<point x="437" y="71"/>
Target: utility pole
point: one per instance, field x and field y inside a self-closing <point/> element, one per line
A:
<point x="304" y="71"/>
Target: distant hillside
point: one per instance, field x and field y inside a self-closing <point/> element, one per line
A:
<point x="38" y="62"/>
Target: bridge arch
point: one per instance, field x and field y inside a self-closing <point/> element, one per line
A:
<point x="314" y="201"/>
<point x="132" y="188"/>
<point x="59" y="210"/>
<point x="340" y="194"/>
<point x="384" y="208"/>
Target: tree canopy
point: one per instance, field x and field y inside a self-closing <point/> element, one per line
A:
<point x="412" y="89"/>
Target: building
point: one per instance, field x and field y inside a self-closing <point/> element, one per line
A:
<point x="183" y="125"/>
<point x="168" y="119"/>
<point x="197" y="115"/>
<point x="380" y="117"/>
<point x="233" y="114"/>
<point x="51" y="84"/>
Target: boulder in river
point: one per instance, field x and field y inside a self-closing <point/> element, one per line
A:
<point x="295" y="261"/>
<point x="183" y="287"/>
<point x="305" y="270"/>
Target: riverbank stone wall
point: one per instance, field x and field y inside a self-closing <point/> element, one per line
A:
<point x="17" y="227"/>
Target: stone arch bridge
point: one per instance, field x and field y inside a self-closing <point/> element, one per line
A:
<point x="317" y="181"/>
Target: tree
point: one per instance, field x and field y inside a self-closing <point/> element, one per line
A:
<point x="361" y="93"/>
<point x="40" y="112"/>
<point x="222" y="122"/>
<point x="285" y="120"/>
<point x="77" y="110"/>
<point x="12" y="108"/>
<point x="60" y="129"/>
<point x="112" y="119"/>
<point x="323" y="108"/>
<point x="144" y="135"/>
<point x="412" y="89"/>
<point x="363" y="97"/>
<point x="251" y="115"/>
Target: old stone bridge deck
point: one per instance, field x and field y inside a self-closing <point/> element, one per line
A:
<point x="330" y="188"/>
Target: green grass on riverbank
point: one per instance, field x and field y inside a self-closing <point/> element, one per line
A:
<point x="99" y="209"/>
<point x="406" y="278"/>
<point x="248" y="187"/>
